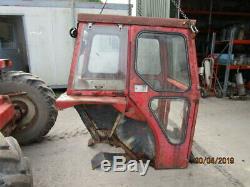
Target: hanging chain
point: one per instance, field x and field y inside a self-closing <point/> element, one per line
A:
<point x="103" y="7"/>
<point x="191" y="25"/>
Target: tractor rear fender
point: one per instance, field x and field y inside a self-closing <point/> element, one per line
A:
<point x="122" y="104"/>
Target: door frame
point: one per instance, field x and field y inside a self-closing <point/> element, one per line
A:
<point x="167" y="154"/>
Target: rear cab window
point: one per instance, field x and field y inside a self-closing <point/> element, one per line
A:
<point x="102" y="60"/>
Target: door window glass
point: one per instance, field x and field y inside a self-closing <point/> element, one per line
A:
<point x="162" y="61"/>
<point x="171" y="115"/>
<point x="148" y="59"/>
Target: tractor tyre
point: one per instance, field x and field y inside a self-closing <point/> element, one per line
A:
<point x="15" y="169"/>
<point x="34" y="102"/>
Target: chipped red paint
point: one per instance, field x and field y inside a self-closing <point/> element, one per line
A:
<point x="66" y="101"/>
<point x="136" y="105"/>
<point x="130" y="20"/>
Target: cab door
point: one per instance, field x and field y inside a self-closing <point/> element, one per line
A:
<point x="164" y="86"/>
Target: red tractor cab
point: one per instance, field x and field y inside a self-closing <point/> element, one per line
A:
<point x="134" y="83"/>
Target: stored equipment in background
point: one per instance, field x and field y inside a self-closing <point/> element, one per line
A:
<point x="209" y="82"/>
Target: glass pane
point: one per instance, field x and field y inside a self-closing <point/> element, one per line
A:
<point x="104" y="54"/>
<point x="172" y="117"/>
<point x="162" y="61"/>
<point x="148" y="59"/>
<point x="103" y="59"/>
<point x="178" y="69"/>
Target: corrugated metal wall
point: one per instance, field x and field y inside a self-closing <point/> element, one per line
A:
<point x="153" y="8"/>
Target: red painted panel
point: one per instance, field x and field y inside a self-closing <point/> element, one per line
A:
<point x="66" y="101"/>
<point x="167" y="154"/>
<point x="7" y="111"/>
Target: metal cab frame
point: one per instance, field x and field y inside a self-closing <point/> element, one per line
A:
<point x="139" y="104"/>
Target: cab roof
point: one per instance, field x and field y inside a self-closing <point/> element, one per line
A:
<point x="131" y="20"/>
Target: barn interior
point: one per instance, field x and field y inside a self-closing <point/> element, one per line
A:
<point x="224" y="33"/>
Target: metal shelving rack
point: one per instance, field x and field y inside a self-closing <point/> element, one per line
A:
<point x="229" y="44"/>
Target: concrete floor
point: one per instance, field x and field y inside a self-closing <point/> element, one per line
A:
<point x="223" y="126"/>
